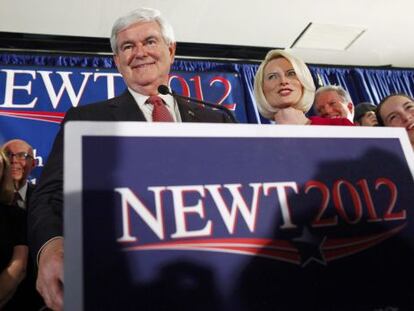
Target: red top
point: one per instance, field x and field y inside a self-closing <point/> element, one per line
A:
<point x="328" y="121"/>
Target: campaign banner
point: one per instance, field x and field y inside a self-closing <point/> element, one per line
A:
<point x="34" y="99"/>
<point x="237" y="217"/>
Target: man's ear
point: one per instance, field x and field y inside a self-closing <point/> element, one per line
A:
<point x="172" y="47"/>
<point x="351" y="107"/>
<point x="34" y="163"/>
<point x="116" y="60"/>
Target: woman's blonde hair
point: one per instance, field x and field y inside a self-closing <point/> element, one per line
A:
<point x="303" y="74"/>
<point x="6" y="181"/>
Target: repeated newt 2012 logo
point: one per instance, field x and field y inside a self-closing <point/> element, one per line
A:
<point x="283" y="221"/>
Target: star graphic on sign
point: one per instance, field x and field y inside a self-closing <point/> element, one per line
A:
<point x="310" y="247"/>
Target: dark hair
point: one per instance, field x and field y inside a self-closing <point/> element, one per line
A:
<point x="378" y="112"/>
<point x="362" y="108"/>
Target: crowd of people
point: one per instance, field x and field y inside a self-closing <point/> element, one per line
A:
<point x="285" y="92"/>
<point x="144" y="47"/>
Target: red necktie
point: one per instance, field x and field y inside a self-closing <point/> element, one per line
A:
<point x="160" y="113"/>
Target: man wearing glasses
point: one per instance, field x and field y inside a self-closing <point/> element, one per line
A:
<point x="20" y="154"/>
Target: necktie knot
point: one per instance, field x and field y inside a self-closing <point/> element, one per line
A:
<point x="160" y="112"/>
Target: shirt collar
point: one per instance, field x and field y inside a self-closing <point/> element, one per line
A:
<point x="142" y="99"/>
<point x="147" y="109"/>
<point x="23" y="190"/>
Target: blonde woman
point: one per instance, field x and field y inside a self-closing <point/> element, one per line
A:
<point x="13" y="246"/>
<point x="284" y="91"/>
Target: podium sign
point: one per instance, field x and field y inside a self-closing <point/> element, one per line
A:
<point x="237" y="217"/>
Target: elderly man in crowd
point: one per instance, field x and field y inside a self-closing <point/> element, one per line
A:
<point x="333" y="101"/>
<point x="22" y="161"/>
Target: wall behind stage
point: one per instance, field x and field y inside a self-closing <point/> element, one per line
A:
<point x="37" y="89"/>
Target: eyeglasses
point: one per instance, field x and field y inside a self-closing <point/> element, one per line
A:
<point x="19" y="156"/>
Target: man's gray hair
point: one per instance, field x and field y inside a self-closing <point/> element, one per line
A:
<point x="336" y="88"/>
<point x="141" y="15"/>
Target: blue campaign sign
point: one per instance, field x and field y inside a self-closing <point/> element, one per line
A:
<point x="34" y="99"/>
<point x="237" y="217"/>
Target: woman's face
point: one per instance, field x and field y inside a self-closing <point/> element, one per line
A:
<point x="398" y="111"/>
<point x="281" y="86"/>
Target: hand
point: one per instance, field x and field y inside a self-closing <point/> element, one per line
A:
<point x="290" y="116"/>
<point x="50" y="275"/>
<point x="13" y="274"/>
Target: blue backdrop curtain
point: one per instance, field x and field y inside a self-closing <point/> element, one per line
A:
<point x="364" y="84"/>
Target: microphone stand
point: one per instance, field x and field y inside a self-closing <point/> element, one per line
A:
<point x="163" y="89"/>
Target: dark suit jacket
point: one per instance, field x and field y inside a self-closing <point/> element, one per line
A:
<point x="45" y="218"/>
<point x="30" y="189"/>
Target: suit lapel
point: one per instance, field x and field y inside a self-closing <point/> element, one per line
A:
<point x="30" y="189"/>
<point x="124" y="108"/>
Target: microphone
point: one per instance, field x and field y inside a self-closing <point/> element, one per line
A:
<point x="164" y="90"/>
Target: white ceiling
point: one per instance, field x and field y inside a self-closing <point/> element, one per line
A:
<point x="387" y="40"/>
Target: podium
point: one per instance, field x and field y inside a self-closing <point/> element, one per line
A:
<point x="237" y="217"/>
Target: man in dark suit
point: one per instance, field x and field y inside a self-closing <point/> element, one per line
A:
<point x="144" y="48"/>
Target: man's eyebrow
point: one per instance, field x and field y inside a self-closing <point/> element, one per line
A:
<point x="150" y="37"/>
<point x="125" y="42"/>
<point x="407" y="102"/>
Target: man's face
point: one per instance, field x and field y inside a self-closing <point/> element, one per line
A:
<point x="329" y="104"/>
<point x="368" y="119"/>
<point x="21" y="166"/>
<point x="143" y="57"/>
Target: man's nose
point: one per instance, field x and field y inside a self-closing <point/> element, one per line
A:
<point x="325" y="110"/>
<point x="139" y="50"/>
